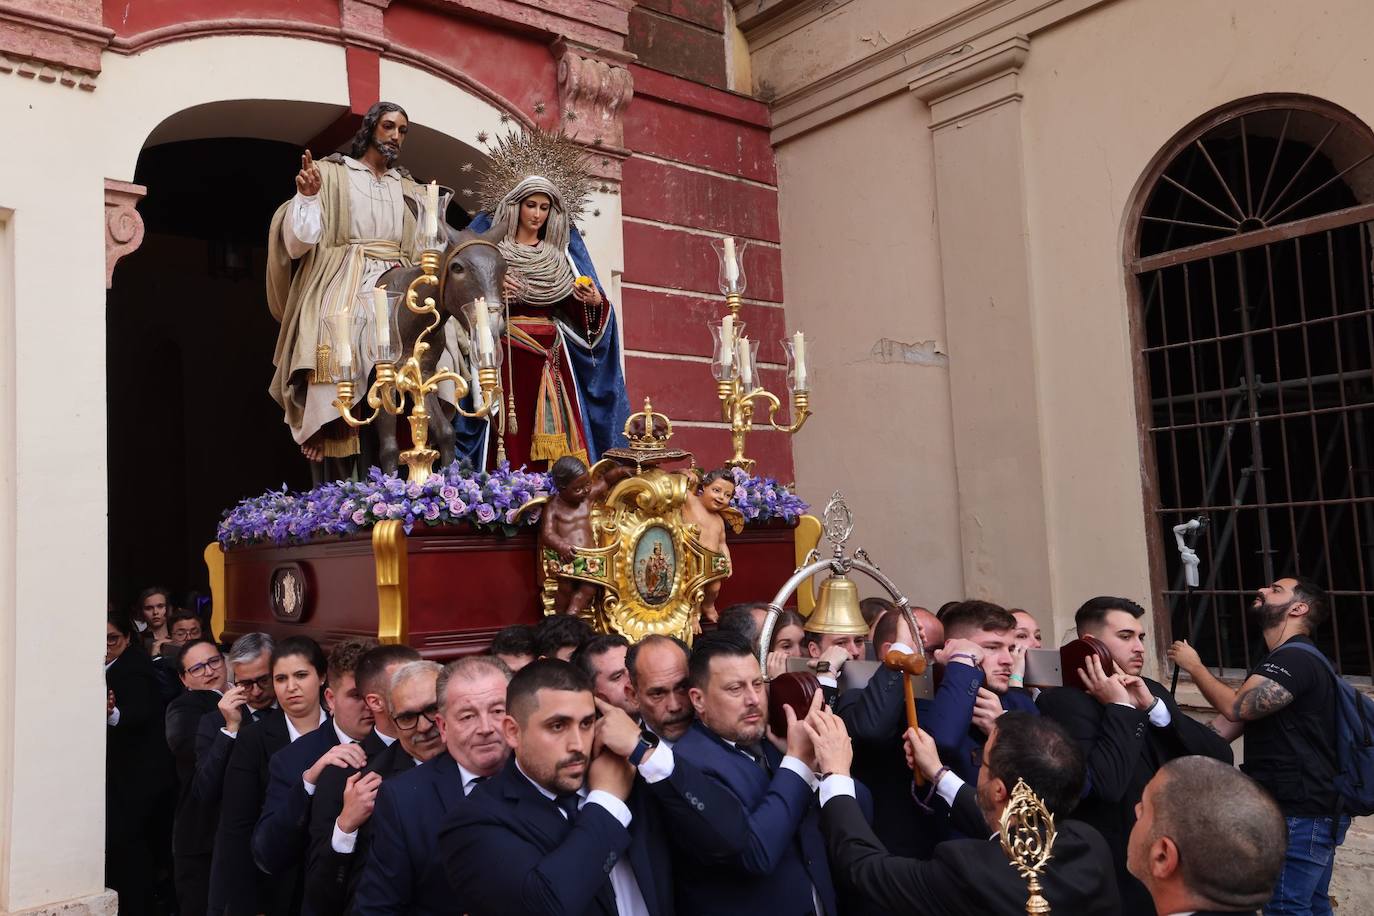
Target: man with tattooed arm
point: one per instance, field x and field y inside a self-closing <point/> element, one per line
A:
<point x="1287" y="710"/>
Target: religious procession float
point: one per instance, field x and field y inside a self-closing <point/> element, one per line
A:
<point x="519" y="483"/>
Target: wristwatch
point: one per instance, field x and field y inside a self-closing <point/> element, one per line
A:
<point x="642" y="748"/>
<point x="972" y="659"/>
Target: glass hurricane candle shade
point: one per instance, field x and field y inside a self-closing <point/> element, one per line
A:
<point x="431" y="226"/>
<point x="382" y="339"/>
<point x="483" y="321"/>
<point x="746" y="361"/>
<point x="724" y="366"/>
<point x="344" y="330"/>
<point x="798" y="372"/>
<point x="730" y="253"/>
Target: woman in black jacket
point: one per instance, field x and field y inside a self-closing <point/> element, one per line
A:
<point x="138" y="771"/>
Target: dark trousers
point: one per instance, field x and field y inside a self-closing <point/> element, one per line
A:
<point x="192" y="877"/>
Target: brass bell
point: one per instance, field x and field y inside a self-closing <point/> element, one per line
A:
<point x="837" y="609"/>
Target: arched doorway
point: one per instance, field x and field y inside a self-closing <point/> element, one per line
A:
<point x="189" y="337"/>
<point x="1250" y="250"/>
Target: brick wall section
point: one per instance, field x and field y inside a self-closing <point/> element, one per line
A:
<point x="702" y="167"/>
<point x="682" y="37"/>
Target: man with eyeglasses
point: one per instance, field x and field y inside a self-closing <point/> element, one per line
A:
<point x="204" y="674"/>
<point x="336" y="858"/>
<point x="330" y="875"/>
<point x="403" y="873"/>
<point x="249" y="666"/>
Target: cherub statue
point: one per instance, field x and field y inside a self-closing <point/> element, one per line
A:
<point x="708" y="507"/>
<point x="567" y="523"/>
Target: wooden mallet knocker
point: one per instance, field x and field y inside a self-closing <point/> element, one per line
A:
<point x="911" y="664"/>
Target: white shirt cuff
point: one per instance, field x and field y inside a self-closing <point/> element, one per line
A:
<point x="658" y="766"/>
<point x="948" y="787"/>
<point x="828" y="680"/>
<point x="832" y="786"/>
<point x="801" y="769"/>
<point x="343" y="843"/>
<point x="1159" y="714"/>
<point x="309" y="787"/>
<point x="225" y="731"/>
<point x="901" y="647"/>
<point x="113" y="717"/>
<point x="615" y="806"/>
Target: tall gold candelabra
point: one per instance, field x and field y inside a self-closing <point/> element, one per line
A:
<point x="735" y="357"/>
<point x="394" y="384"/>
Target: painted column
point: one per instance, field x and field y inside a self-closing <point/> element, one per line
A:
<point x="975" y="105"/>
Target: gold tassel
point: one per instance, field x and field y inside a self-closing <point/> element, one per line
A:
<point x="511" y="423"/>
<point x="341" y="447"/>
<point x="548" y="446"/>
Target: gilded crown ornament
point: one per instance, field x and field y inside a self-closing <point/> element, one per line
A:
<point x="1027" y="833"/>
<point x="647" y="433"/>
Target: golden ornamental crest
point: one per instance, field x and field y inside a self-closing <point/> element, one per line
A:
<point x="1027" y="833"/>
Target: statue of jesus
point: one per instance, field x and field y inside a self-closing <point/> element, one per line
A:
<point x="347" y="225"/>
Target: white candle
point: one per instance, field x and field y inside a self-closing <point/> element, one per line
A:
<point x="731" y="268"/>
<point x="379" y="313"/>
<point x="483" y="328"/>
<point x="746" y="369"/>
<point x="341" y="325"/>
<point x="432" y="210"/>
<point x="799" y="359"/>
<point x="727" y="340"/>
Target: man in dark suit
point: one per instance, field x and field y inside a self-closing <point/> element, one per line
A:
<point x="875" y="718"/>
<point x="559" y="829"/>
<point x="742" y="813"/>
<point x="249" y="696"/>
<point x="974" y="691"/>
<point x="403" y="873"/>
<point x="970" y="877"/>
<point x="341" y="810"/>
<point x="659" y="686"/>
<point x="1209" y="839"/>
<point x="282" y="832"/>
<point x="1127" y="726"/>
<point x="201" y="667"/>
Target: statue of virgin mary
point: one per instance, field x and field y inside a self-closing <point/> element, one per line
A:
<point x="565" y="389"/>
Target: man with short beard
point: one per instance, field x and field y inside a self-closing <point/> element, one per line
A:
<point x="560" y="829"/>
<point x="347" y="225"/>
<point x="1128" y="726"/>
<point x="1286" y="708"/>
<point x="334" y="859"/>
<point x="749" y="838"/>
<point x="973" y="693"/>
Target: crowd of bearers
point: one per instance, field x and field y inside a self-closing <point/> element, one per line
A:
<point x="566" y="772"/>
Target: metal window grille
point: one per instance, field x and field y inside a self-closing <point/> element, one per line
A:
<point x="1255" y="323"/>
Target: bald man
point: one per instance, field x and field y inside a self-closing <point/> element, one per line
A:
<point x="1208" y="839"/>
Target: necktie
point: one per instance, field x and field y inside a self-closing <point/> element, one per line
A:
<point x="472" y="784"/>
<point x="755" y="752"/>
<point x="568" y="802"/>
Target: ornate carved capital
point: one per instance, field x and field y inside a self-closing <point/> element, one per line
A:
<point x="594" y="86"/>
<point x="123" y="224"/>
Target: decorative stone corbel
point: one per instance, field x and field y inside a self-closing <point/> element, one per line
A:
<point x="594" y="86"/>
<point x="123" y="224"/>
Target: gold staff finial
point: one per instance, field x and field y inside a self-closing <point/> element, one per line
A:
<point x="1027" y="831"/>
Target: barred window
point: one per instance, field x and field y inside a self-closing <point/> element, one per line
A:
<point x="1254" y="324"/>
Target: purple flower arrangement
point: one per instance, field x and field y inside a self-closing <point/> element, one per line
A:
<point x="485" y="500"/>
<point x="763" y="499"/>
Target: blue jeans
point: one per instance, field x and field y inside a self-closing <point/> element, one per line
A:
<point x="1303" y="884"/>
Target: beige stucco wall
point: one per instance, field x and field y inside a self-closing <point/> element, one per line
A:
<point x="1103" y="86"/>
<point x="861" y="266"/>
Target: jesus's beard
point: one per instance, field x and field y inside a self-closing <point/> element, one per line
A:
<point x="390" y="152"/>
